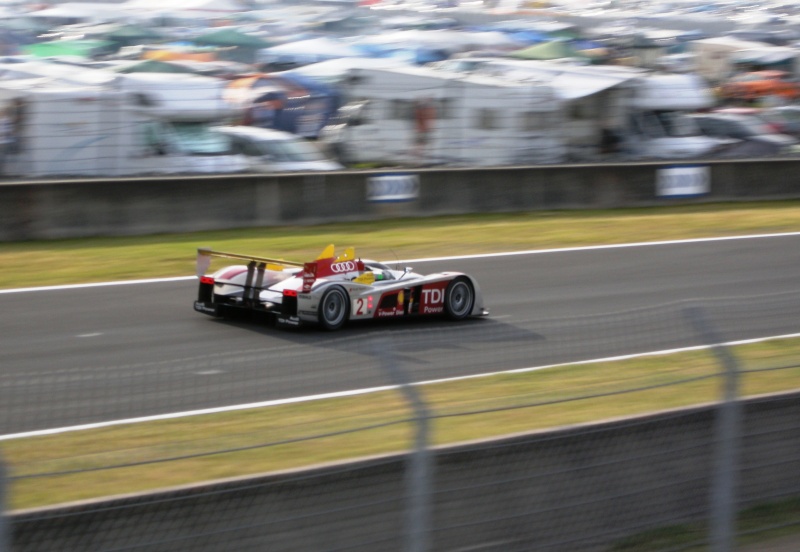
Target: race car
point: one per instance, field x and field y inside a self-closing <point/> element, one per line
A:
<point x="331" y="290"/>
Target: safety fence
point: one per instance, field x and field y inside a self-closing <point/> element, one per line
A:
<point x="667" y="428"/>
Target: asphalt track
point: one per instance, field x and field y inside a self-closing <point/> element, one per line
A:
<point x="93" y="354"/>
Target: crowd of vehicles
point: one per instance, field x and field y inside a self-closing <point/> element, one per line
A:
<point x="491" y="111"/>
<point x="79" y="121"/>
<point x="490" y="107"/>
<point x="419" y="115"/>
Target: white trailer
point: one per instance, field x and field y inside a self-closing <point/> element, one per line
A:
<point x="67" y="130"/>
<point x="658" y="125"/>
<point x="647" y="109"/>
<point x="476" y="120"/>
<point x="127" y="125"/>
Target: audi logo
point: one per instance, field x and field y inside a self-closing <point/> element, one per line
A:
<point x="347" y="266"/>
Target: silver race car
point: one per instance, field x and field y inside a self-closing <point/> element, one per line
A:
<point x="331" y="290"/>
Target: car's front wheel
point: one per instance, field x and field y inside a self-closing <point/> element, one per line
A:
<point x="458" y="299"/>
<point x="334" y="308"/>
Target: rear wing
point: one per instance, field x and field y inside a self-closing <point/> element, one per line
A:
<point x="205" y="254"/>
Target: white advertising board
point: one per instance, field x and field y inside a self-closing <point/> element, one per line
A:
<point x="392" y="188"/>
<point x="683" y="181"/>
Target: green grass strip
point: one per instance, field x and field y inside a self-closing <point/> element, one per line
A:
<point x="304" y="434"/>
<point x="40" y="263"/>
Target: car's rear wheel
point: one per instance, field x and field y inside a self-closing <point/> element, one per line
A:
<point x="458" y="299"/>
<point x="334" y="308"/>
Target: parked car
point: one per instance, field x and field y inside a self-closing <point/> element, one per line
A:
<point x="784" y="119"/>
<point x="269" y="150"/>
<point x="756" y="136"/>
<point x="760" y="84"/>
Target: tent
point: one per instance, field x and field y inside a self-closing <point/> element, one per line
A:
<point x="231" y="37"/>
<point x="152" y="66"/>
<point x="132" y="34"/>
<point x="191" y="8"/>
<point x="767" y="56"/>
<point x="79" y="48"/>
<point x="313" y="50"/>
<point x="556" y="49"/>
<point x="242" y="46"/>
<point x="335" y="71"/>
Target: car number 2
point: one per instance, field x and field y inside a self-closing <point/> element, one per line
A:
<point x="360" y="305"/>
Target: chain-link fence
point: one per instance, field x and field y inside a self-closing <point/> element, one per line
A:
<point x="666" y="428"/>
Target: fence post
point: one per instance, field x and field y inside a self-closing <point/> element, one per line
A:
<point x="728" y="433"/>
<point x="418" y="476"/>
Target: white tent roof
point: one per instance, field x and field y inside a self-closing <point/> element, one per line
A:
<point x="333" y="70"/>
<point x="58" y="71"/>
<point x="458" y="40"/>
<point x="219" y="6"/>
<point x="775" y="54"/>
<point x="322" y="46"/>
<point x="81" y="10"/>
<point x="570" y="81"/>
<point x="572" y="87"/>
<point x="731" y="42"/>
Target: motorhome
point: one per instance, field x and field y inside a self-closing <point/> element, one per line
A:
<point x="646" y="109"/>
<point x="657" y="121"/>
<point x="112" y="125"/>
<point x="420" y="116"/>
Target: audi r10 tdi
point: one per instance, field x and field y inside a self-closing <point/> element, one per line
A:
<point x="332" y="290"/>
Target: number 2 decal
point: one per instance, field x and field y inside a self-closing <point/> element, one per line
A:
<point x="360" y="306"/>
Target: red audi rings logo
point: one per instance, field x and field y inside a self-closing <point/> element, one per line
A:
<point x="347" y="266"/>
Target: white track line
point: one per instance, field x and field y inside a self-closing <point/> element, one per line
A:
<point x="370" y="390"/>
<point x="435" y="259"/>
<point x="99" y="284"/>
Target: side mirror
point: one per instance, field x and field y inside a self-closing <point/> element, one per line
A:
<point x="407" y="269"/>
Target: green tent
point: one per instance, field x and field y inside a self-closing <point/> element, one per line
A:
<point x="152" y="66"/>
<point x="231" y="37"/>
<point x="79" y="48"/>
<point x="133" y="32"/>
<point x="557" y="49"/>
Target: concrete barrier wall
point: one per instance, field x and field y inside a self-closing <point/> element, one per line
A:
<point x="122" y="207"/>
<point x="579" y="488"/>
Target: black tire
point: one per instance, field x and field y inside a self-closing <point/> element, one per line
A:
<point x="459" y="297"/>
<point x="334" y="309"/>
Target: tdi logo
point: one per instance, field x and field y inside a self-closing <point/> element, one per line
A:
<point x="432" y="296"/>
<point x="393" y="187"/>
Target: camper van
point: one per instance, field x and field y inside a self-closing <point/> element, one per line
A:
<point x="658" y="124"/>
<point x="181" y="111"/>
<point x="647" y="110"/>
<point x="420" y="116"/>
<point x="130" y="124"/>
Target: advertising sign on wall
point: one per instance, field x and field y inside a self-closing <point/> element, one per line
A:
<point x="392" y="188"/>
<point x="683" y="181"/>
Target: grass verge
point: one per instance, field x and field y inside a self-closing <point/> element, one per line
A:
<point x="240" y="443"/>
<point x="103" y="259"/>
